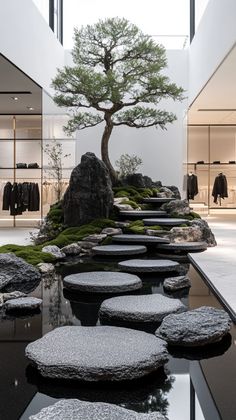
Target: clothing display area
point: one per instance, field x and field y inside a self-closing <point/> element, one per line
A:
<point x="28" y="182"/>
<point x="211" y="167"/>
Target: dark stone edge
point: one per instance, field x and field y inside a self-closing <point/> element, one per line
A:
<point x="213" y="288"/>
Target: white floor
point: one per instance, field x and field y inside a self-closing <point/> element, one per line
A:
<point x="219" y="263"/>
<point x="17" y="236"/>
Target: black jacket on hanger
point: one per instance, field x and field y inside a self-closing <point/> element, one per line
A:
<point x="192" y="186"/>
<point x="220" y="188"/>
<point x="6" y="196"/>
<point x="18" y="197"/>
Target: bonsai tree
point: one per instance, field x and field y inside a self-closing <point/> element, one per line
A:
<point x="117" y="79"/>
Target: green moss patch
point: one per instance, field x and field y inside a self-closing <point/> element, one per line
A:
<point x="30" y="253"/>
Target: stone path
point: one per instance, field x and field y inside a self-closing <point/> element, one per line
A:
<point x="148" y="266"/>
<point x="84" y="410"/>
<point x="139" y="214"/>
<point x="144" y="308"/>
<point x="101" y="353"/>
<point x="183" y="247"/>
<point x="140" y="239"/>
<point x="167" y="221"/>
<point x="102" y="282"/>
<point x="117" y="250"/>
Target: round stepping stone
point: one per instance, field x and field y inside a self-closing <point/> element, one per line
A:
<point x="142" y="213"/>
<point x="198" y="327"/>
<point x="102" y="282"/>
<point x="84" y="410"/>
<point x="116" y="250"/>
<point x="100" y="353"/>
<point x="148" y="266"/>
<point x="144" y="308"/>
<point x="165" y="221"/>
<point x="172" y="284"/>
<point x="183" y="246"/>
<point x="23" y="304"/>
<point x="159" y="200"/>
<point x="140" y="239"/>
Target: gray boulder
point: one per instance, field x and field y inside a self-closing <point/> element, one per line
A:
<point x="96" y="238"/>
<point x="89" y="195"/>
<point x="12" y="295"/>
<point x="100" y="353"/>
<point x="83" y="410"/>
<point x="71" y="249"/>
<point x="143" y="308"/>
<point x="171" y="284"/>
<point x="198" y="327"/>
<point x="109" y="231"/>
<point x="175" y="191"/>
<point x="186" y="234"/>
<point x="207" y="234"/>
<point x="177" y="207"/>
<point x="23" y="304"/>
<point x="46" y="268"/>
<point x="55" y="251"/>
<point x="14" y="272"/>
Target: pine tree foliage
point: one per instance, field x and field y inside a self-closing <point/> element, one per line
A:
<point x="117" y="78"/>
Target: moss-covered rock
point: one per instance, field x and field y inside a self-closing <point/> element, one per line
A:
<point x="32" y="254"/>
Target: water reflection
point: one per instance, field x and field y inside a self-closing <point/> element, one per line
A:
<point x="166" y="390"/>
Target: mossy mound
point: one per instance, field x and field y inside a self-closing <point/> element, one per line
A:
<point x="191" y="216"/>
<point x="133" y="194"/>
<point x="30" y="253"/>
<point x="136" y="227"/>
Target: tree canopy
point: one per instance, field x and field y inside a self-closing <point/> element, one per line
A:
<point x="117" y="79"/>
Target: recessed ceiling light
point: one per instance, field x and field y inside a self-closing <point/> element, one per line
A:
<point x="30" y="108"/>
<point x="15" y="98"/>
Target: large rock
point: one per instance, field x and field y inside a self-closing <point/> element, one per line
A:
<point x="171" y="284"/>
<point x="89" y="195"/>
<point x="83" y="410"/>
<point x="71" y="249"/>
<point x="207" y="234"/>
<point x="140" y="181"/>
<point x="14" y="272"/>
<point x="23" y="304"/>
<point x="143" y="308"/>
<point x="177" y="207"/>
<point x="186" y="234"/>
<point x="198" y="327"/>
<point x="55" y="251"/>
<point x="175" y="191"/>
<point x="100" y="353"/>
<point x="102" y="282"/>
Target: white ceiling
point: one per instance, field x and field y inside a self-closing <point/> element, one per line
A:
<point x="216" y="104"/>
<point x="12" y="80"/>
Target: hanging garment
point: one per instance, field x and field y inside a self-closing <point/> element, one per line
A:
<point x="192" y="186"/>
<point x="220" y="188"/>
<point x="19" y="197"/>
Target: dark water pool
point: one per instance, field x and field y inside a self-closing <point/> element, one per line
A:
<point x="192" y="386"/>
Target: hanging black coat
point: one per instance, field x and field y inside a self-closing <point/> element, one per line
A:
<point x="220" y="188"/>
<point x="6" y="196"/>
<point x="192" y="186"/>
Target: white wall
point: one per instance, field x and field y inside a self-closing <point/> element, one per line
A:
<point x="27" y="41"/>
<point x="161" y="151"/>
<point x="215" y="36"/>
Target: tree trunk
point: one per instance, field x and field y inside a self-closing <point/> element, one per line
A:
<point x="104" y="149"/>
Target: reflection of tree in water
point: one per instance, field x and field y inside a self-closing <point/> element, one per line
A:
<point x="147" y="394"/>
<point x="58" y="311"/>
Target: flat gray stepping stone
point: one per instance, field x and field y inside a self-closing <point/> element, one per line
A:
<point x="165" y="221"/>
<point x="139" y="239"/>
<point x="159" y="200"/>
<point x="100" y="353"/>
<point x="198" y="327"/>
<point x="143" y="213"/>
<point x="119" y="250"/>
<point x="183" y="246"/>
<point x="172" y="284"/>
<point x="148" y="266"/>
<point x="144" y="308"/>
<point x="102" y="282"/>
<point x="24" y="303"/>
<point x="83" y="410"/>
